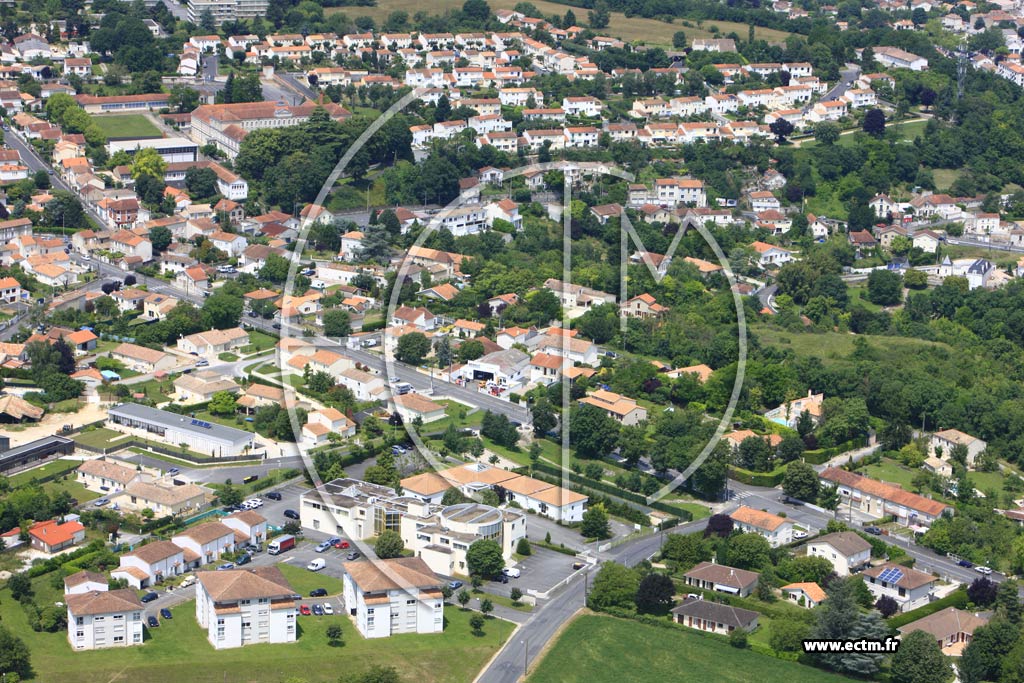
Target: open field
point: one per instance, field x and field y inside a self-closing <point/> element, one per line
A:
<point x="832" y="344"/>
<point x="178" y="651"/>
<point x="892" y="472"/>
<point x="304" y="581"/>
<point x="52" y="467"/>
<point x="120" y="126"/>
<point x="599" y="649"/>
<point x="100" y="438"/>
<point x="634" y="29"/>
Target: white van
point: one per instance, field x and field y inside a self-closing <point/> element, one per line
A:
<point x="316" y="565"/>
<point x="189" y="580"/>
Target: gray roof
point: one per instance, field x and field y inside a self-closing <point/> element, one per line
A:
<point x="716" y="612"/>
<point x="210" y="431"/>
<point x="846" y="542"/>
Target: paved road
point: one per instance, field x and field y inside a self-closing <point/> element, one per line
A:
<point x="846" y="79"/>
<point x="766" y="295"/>
<point x="210" y="67"/>
<point x="297" y="83"/>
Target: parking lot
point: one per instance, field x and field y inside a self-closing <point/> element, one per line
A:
<point x="540" y="572"/>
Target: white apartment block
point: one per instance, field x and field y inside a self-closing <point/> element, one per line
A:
<point x="395" y="596"/>
<point x="239" y="607"/>
<point x="226" y="10"/>
<point x="101" y="619"/>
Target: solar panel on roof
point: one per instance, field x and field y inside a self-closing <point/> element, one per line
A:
<point x="891" y="575"/>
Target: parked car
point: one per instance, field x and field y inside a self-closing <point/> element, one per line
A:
<point x="965" y="563"/>
<point x="100" y="502"/>
<point x="576" y="566"/>
<point x="341" y="544"/>
<point x="332" y="540"/>
<point x="243" y="559"/>
<point x="983" y="570"/>
<point x="353" y="556"/>
<point x="328" y="610"/>
<point x="291" y="514"/>
<point x="799" y="534"/>
<point x="502" y="578"/>
<point x="304" y="610"/>
<point x="202" y="363"/>
<point x="274" y="495"/>
<point x="189" y="580"/>
<point x="173" y="470"/>
<point x="149" y="597"/>
<point x="323" y="546"/>
<point x="318" y="593"/>
<point x="152" y="621"/>
<point x="316" y="565"/>
<point x="317" y="609"/>
<point x="166" y="613"/>
<point x="873" y="530"/>
<point x="512" y="572"/>
<point x="226" y="566"/>
<point x="455" y="585"/>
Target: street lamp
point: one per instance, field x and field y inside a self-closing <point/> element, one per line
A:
<point x="526" y="656"/>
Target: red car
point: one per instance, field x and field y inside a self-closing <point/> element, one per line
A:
<point x="304" y="611"/>
<point x="341" y="545"/>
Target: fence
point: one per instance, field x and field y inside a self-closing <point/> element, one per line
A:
<point x="177" y="454"/>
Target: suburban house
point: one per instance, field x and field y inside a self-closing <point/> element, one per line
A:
<point x="952" y="629"/>
<point x="713" y="617"/>
<point x="84" y="581"/>
<point x="948" y="439"/>
<point x="878" y="499"/>
<point x="201" y="386"/>
<point x="240" y="607"/>
<point x="776" y="530"/>
<point x="142" y="359"/>
<point x="721" y="578"/>
<point x="213" y="342"/>
<point x="249" y="526"/>
<point x="206" y="541"/>
<point x="162" y="497"/>
<point x="148" y="565"/>
<point x="51" y="536"/>
<point x="388" y="597"/>
<point x="103" y="476"/>
<point x="622" y="409"/>
<point x="412" y="406"/>
<point x="552" y="501"/>
<point x="770" y="254"/>
<point x="99" y="619"/>
<point x="788" y="414"/>
<point x="908" y="587"/>
<point x="846" y="550"/>
<point x="807" y="594"/>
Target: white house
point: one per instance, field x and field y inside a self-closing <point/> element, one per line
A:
<point x="150" y="564"/>
<point x="393" y="596"/>
<point x="249" y="526"/>
<point x="239" y="607"/>
<point x="777" y="530"/>
<point x="948" y="439"/>
<point x="207" y="541"/>
<point x="213" y="342"/>
<point x="845" y="550"/>
<point x="908" y="587"/>
<point x="84" y="581"/>
<point x="100" y="619"/>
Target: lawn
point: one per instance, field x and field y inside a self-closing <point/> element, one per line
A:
<point x="156" y="390"/>
<point x="833" y="344"/>
<point x="650" y="31"/>
<point x="599" y="649"/>
<point x="123" y="126"/>
<point x="52" y="467"/>
<point x="891" y="471"/>
<point x="178" y="651"/>
<point x="259" y="341"/>
<point x="100" y="438"/>
<point x="227" y="357"/>
<point x="77" y="491"/>
<point x="303" y="580"/>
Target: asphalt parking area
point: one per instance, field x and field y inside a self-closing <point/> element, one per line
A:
<point x="539" y="572"/>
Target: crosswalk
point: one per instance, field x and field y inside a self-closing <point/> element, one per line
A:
<point x="739" y="495"/>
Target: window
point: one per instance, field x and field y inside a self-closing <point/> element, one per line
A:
<point x="79" y="621"/>
<point x="118" y="639"/>
<point x="98" y="618"/>
<point x="316" y="523"/>
<point x="80" y="634"/>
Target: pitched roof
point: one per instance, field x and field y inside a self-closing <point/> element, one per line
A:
<point x="151" y="553"/>
<point x="722" y="574"/>
<point x="393" y="574"/>
<point x="717" y="612"/>
<point x="103" y="602"/>
<point x="233" y="585"/>
<point x="846" y="542"/>
<point x="136" y="352"/>
<point x="108" y="470"/>
<point x="164" y="495"/>
<point x="427" y="484"/>
<point x="885" y="491"/>
<point x="206" y="532"/>
<point x="810" y="589"/>
<point x="945" y="623"/>
<point x="758" y="518"/>
<point x="909" y="579"/>
<point x="84" y="576"/>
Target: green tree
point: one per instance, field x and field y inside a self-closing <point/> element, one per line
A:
<point x="274" y="269"/>
<point x="230" y="494"/>
<point x="874" y="123"/>
<point x="476" y="622"/>
<point x="840" y="618"/>
<point x="160" y="237"/>
<point x="14" y="654"/>
<point x="486" y="606"/>
<point x="826" y="132"/>
<point x="222" y="403"/>
<point x="463" y="597"/>
<point x="337" y="323"/>
<point x="919" y="659"/>
<point x="801" y="482"/>
<point x="20" y="585"/>
<point x="595" y="523"/>
<point x="471" y="349"/>
<point x="749" y="551"/>
<point x="412" y="348"/>
<point x="787" y="635"/>
<point x="334" y="634"/>
<point x="222" y="310"/>
<point x="593" y="433"/>
<point x="613" y="586"/>
<point x="544" y="417"/>
<point x="147" y="161"/>
<point x="484" y="559"/>
<point x="523" y="547"/>
<point x="990" y="644"/>
<point x="686" y="550"/>
<point x="885" y="287"/>
<point x="200" y="182"/>
<point x="389" y="545"/>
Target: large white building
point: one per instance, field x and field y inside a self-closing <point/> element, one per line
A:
<point x="240" y="607"/>
<point x="226" y="125"/>
<point x="174" y="429"/>
<point x="100" y="618"/>
<point x="388" y="597"/>
<point x="226" y="10"/>
<point x="440" y="536"/>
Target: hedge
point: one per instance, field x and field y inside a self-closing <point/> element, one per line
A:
<point x="956" y="599"/>
<point x="57" y="562"/>
<point x="822" y="455"/>
<point x="768" y="479"/>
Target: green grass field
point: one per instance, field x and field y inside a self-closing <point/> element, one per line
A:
<point x="892" y="472"/>
<point x="121" y="126"/>
<point x="303" y="580"/>
<point x="178" y="651"/>
<point x="100" y="438"/>
<point x="633" y="29"/>
<point x="832" y="344"/>
<point x="60" y="465"/>
<point x="599" y="649"/>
